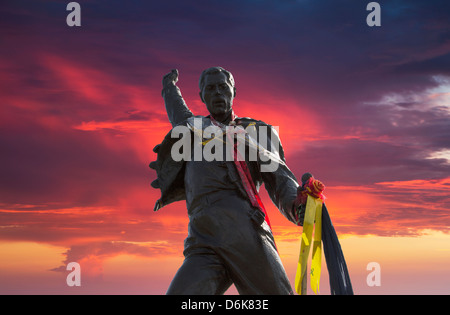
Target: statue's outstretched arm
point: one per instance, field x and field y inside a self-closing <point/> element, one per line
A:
<point x="176" y="107"/>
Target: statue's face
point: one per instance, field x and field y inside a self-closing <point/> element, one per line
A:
<point x="218" y="94"/>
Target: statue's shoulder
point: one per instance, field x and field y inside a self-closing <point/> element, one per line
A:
<point x="245" y="121"/>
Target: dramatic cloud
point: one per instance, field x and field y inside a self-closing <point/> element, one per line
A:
<point x="365" y="109"/>
<point x="93" y="255"/>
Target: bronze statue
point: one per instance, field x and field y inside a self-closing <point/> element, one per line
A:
<point x="229" y="238"/>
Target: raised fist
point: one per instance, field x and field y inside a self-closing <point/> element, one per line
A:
<point x="171" y="78"/>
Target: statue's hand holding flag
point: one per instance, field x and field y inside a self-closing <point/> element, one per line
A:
<point x="312" y="214"/>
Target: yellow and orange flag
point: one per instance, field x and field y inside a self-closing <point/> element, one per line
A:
<point x="312" y="222"/>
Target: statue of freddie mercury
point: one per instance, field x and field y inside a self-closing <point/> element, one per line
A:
<point x="229" y="238"/>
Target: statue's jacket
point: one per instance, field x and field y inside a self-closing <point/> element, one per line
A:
<point x="173" y="177"/>
<point x="280" y="184"/>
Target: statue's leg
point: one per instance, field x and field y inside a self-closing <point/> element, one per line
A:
<point x="255" y="266"/>
<point x="200" y="274"/>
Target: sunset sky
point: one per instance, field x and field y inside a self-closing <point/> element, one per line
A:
<point x="365" y="109"/>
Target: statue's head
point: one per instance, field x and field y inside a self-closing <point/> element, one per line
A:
<point x="217" y="91"/>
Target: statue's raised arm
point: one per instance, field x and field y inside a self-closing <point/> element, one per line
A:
<point x="176" y="107"/>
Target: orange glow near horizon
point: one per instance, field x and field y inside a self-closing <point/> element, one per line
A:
<point x="400" y="258"/>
